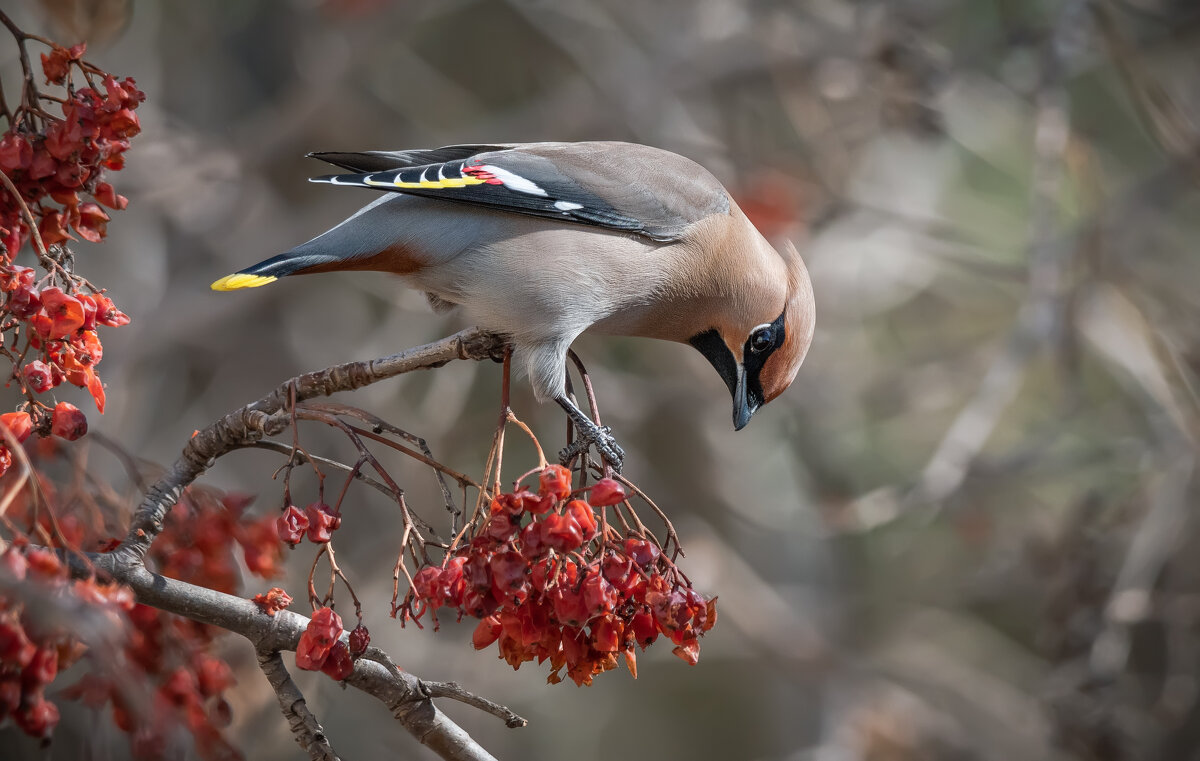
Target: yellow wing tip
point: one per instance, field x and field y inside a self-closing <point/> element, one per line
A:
<point x="241" y="280"/>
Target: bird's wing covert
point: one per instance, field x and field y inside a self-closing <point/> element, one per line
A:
<point x="617" y="186"/>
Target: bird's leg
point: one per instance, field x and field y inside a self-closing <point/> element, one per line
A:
<point x="590" y="434"/>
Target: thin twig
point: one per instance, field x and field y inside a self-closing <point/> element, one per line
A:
<point x="454" y="691"/>
<point x="379" y="425"/>
<point x="279" y="446"/>
<point x="267" y="417"/>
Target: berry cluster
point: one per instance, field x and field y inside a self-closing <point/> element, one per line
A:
<point x="548" y="579"/>
<point x="52" y="160"/>
<point x="162" y="674"/>
<point x="49" y="322"/>
<point x="321" y="647"/>
<point x="317" y="521"/>
<point x="174" y="653"/>
<point x="33" y="649"/>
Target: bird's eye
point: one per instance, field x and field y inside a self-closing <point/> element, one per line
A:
<point x="762" y="338"/>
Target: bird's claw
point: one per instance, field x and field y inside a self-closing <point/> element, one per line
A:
<point x="602" y="439"/>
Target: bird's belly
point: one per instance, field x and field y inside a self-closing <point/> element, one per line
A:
<point x="549" y="282"/>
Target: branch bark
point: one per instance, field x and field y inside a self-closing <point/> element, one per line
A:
<point x="309" y="734"/>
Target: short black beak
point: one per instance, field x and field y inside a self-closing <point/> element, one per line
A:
<point x="742" y="409"/>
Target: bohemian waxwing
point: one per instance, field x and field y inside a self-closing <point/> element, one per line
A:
<point x="543" y="241"/>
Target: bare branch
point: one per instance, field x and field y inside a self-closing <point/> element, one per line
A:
<point x="309" y="734"/>
<point x="1040" y="319"/>
<point x="268" y="416"/>
<point x="455" y="691"/>
<point x="279" y="446"/>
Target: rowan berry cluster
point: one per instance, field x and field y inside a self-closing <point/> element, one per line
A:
<point x="49" y="322"/>
<point x="549" y="579"/>
<point x="158" y="671"/>
<point x="33" y="649"/>
<point x="321" y="647"/>
<point x="53" y="160"/>
<point x="175" y="654"/>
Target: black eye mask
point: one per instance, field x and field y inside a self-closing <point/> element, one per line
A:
<point x="760" y="345"/>
<point x="754" y="360"/>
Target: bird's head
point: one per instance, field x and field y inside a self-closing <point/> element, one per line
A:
<point x="759" y="347"/>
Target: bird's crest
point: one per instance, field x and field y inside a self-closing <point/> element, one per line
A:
<point x="799" y="319"/>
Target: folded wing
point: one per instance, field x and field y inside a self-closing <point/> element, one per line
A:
<point x="618" y="186"/>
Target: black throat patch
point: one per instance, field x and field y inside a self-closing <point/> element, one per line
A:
<point x="709" y="344"/>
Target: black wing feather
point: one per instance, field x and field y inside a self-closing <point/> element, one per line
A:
<point x="558" y="199"/>
<point x="382" y="161"/>
<point x="619" y="186"/>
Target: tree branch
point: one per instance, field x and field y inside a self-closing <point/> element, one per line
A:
<point x="400" y="691"/>
<point x="309" y="734"/>
<point x="455" y="691"/>
<point x="268" y="416"/>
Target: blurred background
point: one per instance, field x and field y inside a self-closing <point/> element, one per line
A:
<point x="963" y="534"/>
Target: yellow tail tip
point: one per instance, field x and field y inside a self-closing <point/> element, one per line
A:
<point x="241" y="280"/>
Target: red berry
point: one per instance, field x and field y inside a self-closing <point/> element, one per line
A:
<point x="532" y="545"/>
<point x="487" y="632"/>
<point x="105" y="194"/>
<point x="15" y="152"/>
<point x="68" y="422"/>
<point x="338" y="664"/>
<point x="618" y="570"/>
<point x="568" y="604"/>
<point x="38" y="719"/>
<point x="554" y="480"/>
<point x="273" y="601"/>
<point x="501" y="526"/>
<point x="360" y="639"/>
<point x="291" y="525"/>
<point x="41" y="670"/>
<point x="65" y="312"/>
<point x="645" y="630"/>
<point x="689" y="651"/>
<point x="322" y="632"/>
<point x="18" y="424"/>
<point x="213" y="675"/>
<point x="89" y="316"/>
<point x="14" y="564"/>
<point x="24" y="302"/>
<point x="426" y="585"/>
<point x="322" y="522"/>
<point x="107" y="312"/>
<point x="642" y="551"/>
<point x="606" y="491"/>
<point x="562" y="532"/>
<point x="608" y="634"/>
<point x="599" y="596"/>
<point x="452" y="583"/>
<point x="93" y="222"/>
<point x="16" y="651"/>
<point x="584" y="516"/>
<point x="509" y="583"/>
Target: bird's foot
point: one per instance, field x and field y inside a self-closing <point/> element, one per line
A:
<point x="602" y="439"/>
